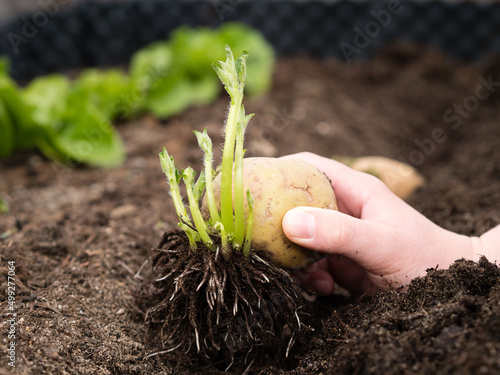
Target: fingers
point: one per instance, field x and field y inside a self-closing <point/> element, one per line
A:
<point x="317" y="278"/>
<point x="348" y="274"/>
<point x="376" y="234"/>
<point x="322" y="276"/>
<point x="333" y="232"/>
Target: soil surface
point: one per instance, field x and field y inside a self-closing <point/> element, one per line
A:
<point x="81" y="238"/>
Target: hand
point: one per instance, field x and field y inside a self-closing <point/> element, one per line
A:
<point x="375" y="240"/>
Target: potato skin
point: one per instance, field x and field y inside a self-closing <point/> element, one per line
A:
<point x="278" y="185"/>
<point x="402" y="179"/>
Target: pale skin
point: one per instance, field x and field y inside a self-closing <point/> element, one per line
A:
<point x="375" y="240"/>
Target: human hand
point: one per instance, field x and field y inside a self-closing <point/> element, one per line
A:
<point x="375" y="240"/>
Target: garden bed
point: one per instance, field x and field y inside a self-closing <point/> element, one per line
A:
<point x="79" y="236"/>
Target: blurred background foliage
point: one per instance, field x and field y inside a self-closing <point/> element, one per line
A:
<point x="71" y="120"/>
<point x="145" y="73"/>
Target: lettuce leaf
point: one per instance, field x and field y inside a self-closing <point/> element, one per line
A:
<point x="71" y="121"/>
<point x="109" y="90"/>
<point x="179" y="70"/>
<point x="74" y="120"/>
<point x="22" y="125"/>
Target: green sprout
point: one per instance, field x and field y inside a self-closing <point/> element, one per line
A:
<point x="174" y="177"/>
<point x="194" y="194"/>
<point x="230" y="224"/>
<point x="205" y="144"/>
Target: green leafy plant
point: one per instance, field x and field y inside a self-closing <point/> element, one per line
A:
<point x="229" y="225"/>
<point x="107" y="90"/>
<point x="59" y="118"/>
<point x="183" y="65"/>
<point x="16" y="121"/>
<point x="71" y="121"/>
<point x="72" y="125"/>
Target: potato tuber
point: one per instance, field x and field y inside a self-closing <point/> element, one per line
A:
<point x="278" y="185"/>
<point x="402" y="179"/>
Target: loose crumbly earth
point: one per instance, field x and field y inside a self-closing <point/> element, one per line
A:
<point x="79" y="236"/>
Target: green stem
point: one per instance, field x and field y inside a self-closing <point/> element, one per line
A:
<point x="212" y="207"/>
<point x="199" y="223"/>
<point x="173" y="177"/>
<point x="192" y="236"/>
<point x="224" y="239"/>
<point x="227" y="164"/>
<point x="205" y="143"/>
<point x="239" y="197"/>
<point x="233" y="75"/>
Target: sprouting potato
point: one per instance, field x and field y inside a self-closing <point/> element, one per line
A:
<point x="278" y="185"/>
<point x="211" y="286"/>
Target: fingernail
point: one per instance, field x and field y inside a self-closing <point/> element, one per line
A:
<point x="301" y="224"/>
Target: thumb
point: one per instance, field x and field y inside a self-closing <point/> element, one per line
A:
<point x="333" y="232"/>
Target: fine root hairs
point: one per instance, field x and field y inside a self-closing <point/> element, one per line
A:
<point x="225" y="309"/>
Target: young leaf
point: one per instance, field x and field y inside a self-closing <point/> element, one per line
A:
<point x="199" y="187"/>
<point x="261" y="61"/>
<point x="241" y="69"/>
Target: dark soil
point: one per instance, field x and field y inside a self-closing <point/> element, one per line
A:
<point x="80" y="235"/>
